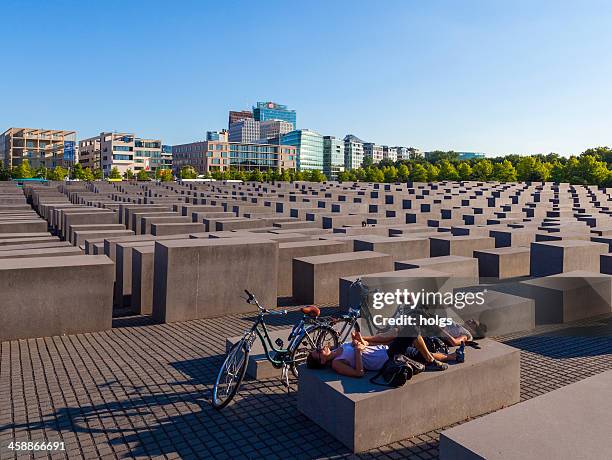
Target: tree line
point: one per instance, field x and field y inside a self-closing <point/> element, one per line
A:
<point x="591" y="167"/>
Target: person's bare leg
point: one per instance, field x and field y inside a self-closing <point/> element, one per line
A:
<point x="420" y="345"/>
<point x="444" y="357"/>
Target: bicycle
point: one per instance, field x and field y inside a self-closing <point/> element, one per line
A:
<point x="306" y="335"/>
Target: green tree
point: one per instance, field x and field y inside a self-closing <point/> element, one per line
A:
<point x="285" y="176"/>
<point x="504" y="172"/>
<point x="87" y="175"/>
<point x="114" y="174"/>
<point x="344" y="176"/>
<point x="77" y="172"/>
<point x="593" y="170"/>
<point x="390" y="173"/>
<point x="418" y="173"/>
<point x="165" y="175"/>
<point x="482" y="170"/>
<point x="317" y="176"/>
<point x="22" y="171"/>
<point x="188" y="172"/>
<point x="142" y="175"/>
<point x="97" y="174"/>
<point x="5" y="173"/>
<point x="128" y="174"/>
<point x="432" y="172"/>
<point x="447" y="171"/>
<point x="255" y="176"/>
<point x="41" y="172"/>
<point x="403" y="173"/>
<point x="464" y="170"/>
<point x="58" y="173"/>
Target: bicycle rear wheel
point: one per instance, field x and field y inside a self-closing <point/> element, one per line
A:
<point x="314" y="338"/>
<point x="230" y="375"/>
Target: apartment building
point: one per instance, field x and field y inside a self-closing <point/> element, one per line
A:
<point x="121" y="150"/>
<point x="245" y="131"/>
<point x="353" y="152"/>
<point x="390" y="153"/>
<point x="373" y="151"/>
<point x="208" y="156"/>
<point x="162" y="159"/>
<point x="333" y="157"/>
<point x="41" y="147"/>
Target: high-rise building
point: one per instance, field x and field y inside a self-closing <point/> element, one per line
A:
<point x="272" y="111"/>
<point x="245" y="131"/>
<point x="390" y="153"/>
<point x="121" y="150"/>
<point x="373" y="151"/>
<point x="217" y="135"/>
<point x="353" y="152"/>
<point x="235" y="116"/>
<point x="208" y="156"/>
<point x="41" y="147"/>
<point x="309" y="146"/>
<point x="270" y="129"/>
<point x="333" y="156"/>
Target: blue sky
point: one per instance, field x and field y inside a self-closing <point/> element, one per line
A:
<point x="493" y="76"/>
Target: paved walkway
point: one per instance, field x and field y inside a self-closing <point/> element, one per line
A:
<point x="143" y="390"/>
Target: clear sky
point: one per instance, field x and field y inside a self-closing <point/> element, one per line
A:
<point x="497" y="76"/>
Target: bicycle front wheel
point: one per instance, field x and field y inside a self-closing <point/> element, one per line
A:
<point x="314" y="338"/>
<point x="230" y="375"/>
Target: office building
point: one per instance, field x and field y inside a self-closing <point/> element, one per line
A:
<point x="272" y="111"/>
<point x="353" y="152"/>
<point x="209" y="156"/>
<point x="121" y="150"/>
<point x="235" y="116"/>
<point x="271" y="129"/>
<point x="309" y="145"/>
<point x="41" y="147"/>
<point x="245" y="131"/>
<point x="373" y="151"/>
<point x="217" y="135"/>
<point x="333" y="157"/>
<point x="390" y="153"/>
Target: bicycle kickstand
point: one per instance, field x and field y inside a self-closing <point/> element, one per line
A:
<point x="285" y="376"/>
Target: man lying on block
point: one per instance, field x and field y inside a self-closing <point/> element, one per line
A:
<point x="370" y="353"/>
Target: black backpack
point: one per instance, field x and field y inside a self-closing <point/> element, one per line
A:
<point x="397" y="370"/>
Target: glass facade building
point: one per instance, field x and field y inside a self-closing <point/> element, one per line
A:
<point x="333" y="157"/>
<point x="309" y="145"/>
<point x="272" y="111"/>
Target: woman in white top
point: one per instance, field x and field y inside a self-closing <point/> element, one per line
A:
<point x="351" y="359"/>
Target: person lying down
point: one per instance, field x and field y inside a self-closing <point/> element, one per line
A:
<point x="370" y="354"/>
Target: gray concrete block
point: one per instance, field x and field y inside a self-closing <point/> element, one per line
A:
<point x="503" y="263"/>
<point x="363" y="416"/>
<point x="571" y="422"/>
<point x="204" y="278"/>
<point x="463" y="246"/>
<point x="315" y="279"/>
<point x="552" y="257"/>
<point x="73" y="295"/>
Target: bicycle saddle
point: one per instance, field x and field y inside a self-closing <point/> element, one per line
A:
<point x="311" y="311"/>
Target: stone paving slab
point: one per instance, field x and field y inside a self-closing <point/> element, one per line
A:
<point x="143" y="390"/>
